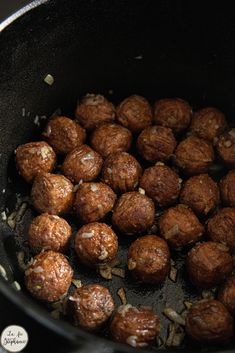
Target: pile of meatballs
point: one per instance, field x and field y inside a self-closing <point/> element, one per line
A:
<point x="174" y="150"/>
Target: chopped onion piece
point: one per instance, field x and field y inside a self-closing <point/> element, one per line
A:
<point x="120" y="272"/>
<point x="174" y="316"/>
<point x="122" y="295"/>
<point x="49" y="79"/>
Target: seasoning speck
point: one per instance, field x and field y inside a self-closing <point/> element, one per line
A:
<point x="49" y="79"/>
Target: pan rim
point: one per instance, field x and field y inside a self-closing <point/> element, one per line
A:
<point x="23" y="10"/>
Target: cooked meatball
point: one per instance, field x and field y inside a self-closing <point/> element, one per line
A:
<point x="149" y="259"/>
<point x="209" y="264"/>
<point x="208" y="123"/>
<point x="111" y="138"/>
<point x="96" y="243"/>
<point x="174" y="113"/>
<point x="156" y="143"/>
<point x="49" y="232"/>
<point x="227" y="294"/>
<point x="227" y="189"/>
<point x="64" y="134"/>
<point x="34" y="158"/>
<point x="93" y="201"/>
<point x="221" y="227"/>
<point x="94" y="110"/>
<point x="133" y="213"/>
<point x="91" y="306"/>
<point x="137" y="327"/>
<point x="83" y="163"/>
<point x="135" y="113"/>
<point x="121" y="172"/>
<point x="226" y="148"/>
<point x="162" y="184"/>
<point x="52" y="193"/>
<point x="49" y="276"/>
<point x="209" y="322"/>
<point x="180" y="227"/>
<point x="201" y="193"/>
<point x="194" y="155"/>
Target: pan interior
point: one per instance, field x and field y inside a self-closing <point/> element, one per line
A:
<point x="117" y="50"/>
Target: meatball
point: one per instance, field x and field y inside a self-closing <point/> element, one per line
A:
<point x="91" y="306"/>
<point x="135" y="113"/>
<point x="174" y="113"/>
<point x="34" y="158"/>
<point x="209" y="264"/>
<point x="227" y="189"/>
<point x="133" y="213"/>
<point x="156" y="143"/>
<point x="149" y="259"/>
<point x="93" y="201"/>
<point x="96" y="243"/>
<point x="52" y="193"/>
<point x="49" y="276"/>
<point x="83" y="163"/>
<point x="111" y="138"/>
<point x="162" y="184"/>
<point x="226" y="148"/>
<point x="208" y="123"/>
<point x="121" y="172"/>
<point x="221" y="227"/>
<point x="209" y="322"/>
<point x="194" y="155"/>
<point x="94" y="110"/>
<point x="180" y="227"/>
<point x="49" y="232"/>
<point x="227" y="294"/>
<point x="201" y="193"/>
<point x="137" y="327"/>
<point x="64" y="134"/>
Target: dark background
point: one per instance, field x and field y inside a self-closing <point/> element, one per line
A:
<point x="7" y="7"/>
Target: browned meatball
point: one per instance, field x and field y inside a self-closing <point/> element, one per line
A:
<point x="91" y="306"/>
<point x="64" y="134"/>
<point x="194" y="155"/>
<point x="135" y="113"/>
<point x="133" y="213"/>
<point x="52" y="193"/>
<point x="201" y="193"/>
<point x="49" y="232"/>
<point x="137" y="327"/>
<point x="83" y="163"/>
<point x="174" y="113"/>
<point x="121" y="172"/>
<point x="111" y="138"/>
<point x="96" y="243"/>
<point x="49" y="277"/>
<point x="93" y="110"/>
<point x="34" y="158"/>
<point x="208" y="123"/>
<point x="209" y="264"/>
<point x="93" y="201"/>
<point x="226" y="148"/>
<point x="227" y="294"/>
<point x="209" y="322"/>
<point x="162" y="184"/>
<point x="227" y="189"/>
<point x="149" y="259"/>
<point x="156" y="143"/>
<point x="221" y="227"/>
<point x="180" y="227"/>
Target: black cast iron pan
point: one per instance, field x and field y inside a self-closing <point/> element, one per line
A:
<point x="117" y="48"/>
